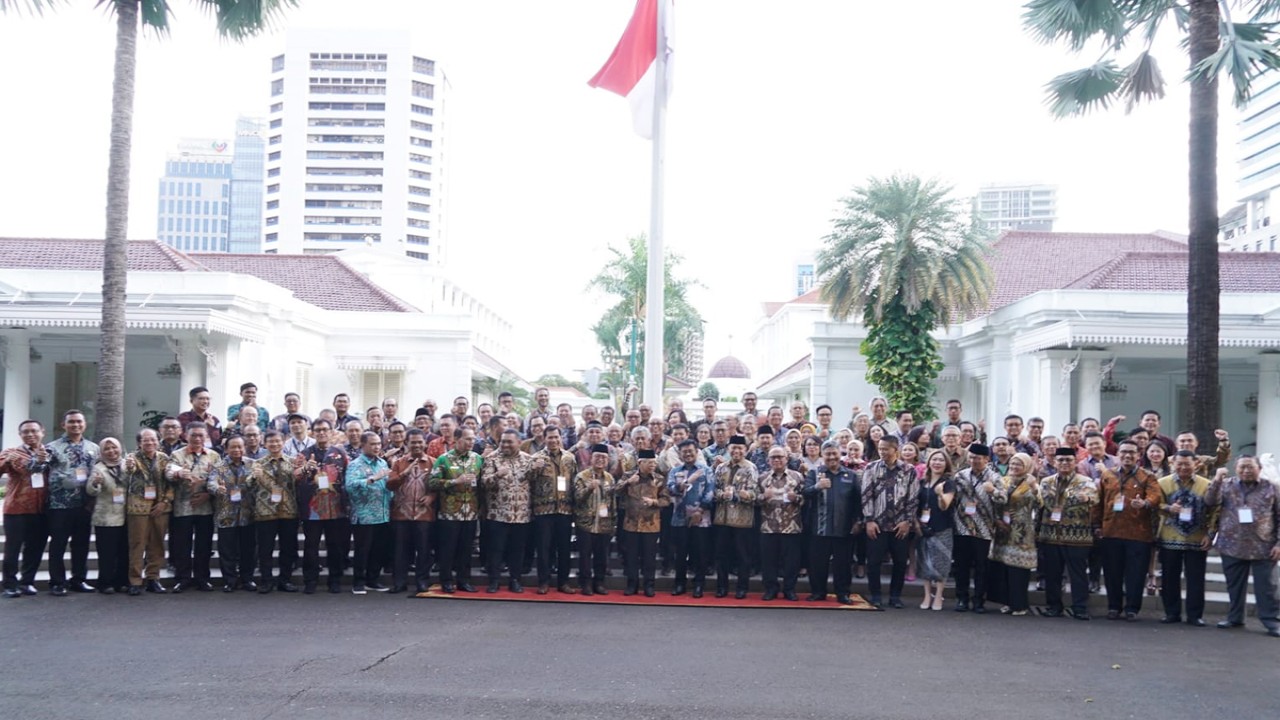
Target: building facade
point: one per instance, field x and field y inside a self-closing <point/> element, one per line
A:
<point x="194" y="196"/>
<point x="354" y="145"/>
<point x="1247" y="227"/>
<point x="1017" y="207"/>
<point x="244" y="233"/>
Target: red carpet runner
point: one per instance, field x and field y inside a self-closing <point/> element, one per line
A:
<point x="663" y="599"/>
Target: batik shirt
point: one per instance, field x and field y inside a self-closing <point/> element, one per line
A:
<point x="211" y="422"/>
<point x="1118" y="488"/>
<point x="505" y="481"/>
<point x="104" y="484"/>
<point x="457" y="502"/>
<point x="370" y="499"/>
<point x="70" y="465"/>
<point x="973" y="510"/>
<point x="1257" y="502"/>
<point x="890" y="494"/>
<point x="1176" y="533"/>
<point x="1014" y="540"/>
<point x="780" y="514"/>
<point x="200" y="464"/>
<point x="147" y="478"/>
<point x="699" y="496"/>
<point x="330" y="503"/>
<point x="558" y="472"/>
<point x="636" y="516"/>
<point x="264" y="417"/>
<point x="20" y="497"/>
<point x="736" y="509"/>
<point x="233" y="498"/>
<point x="593" y="509"/>
<point x="411" y="498"/>
<point x="1071" y="499"/>
<point x="273" y="492"/>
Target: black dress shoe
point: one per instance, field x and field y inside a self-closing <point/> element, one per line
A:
<point x="309" y="587"/>
<point x="1078" y="615"/>
<point x="28" y="589"/>
<point x="249" y="586"/>
<point x="844" y="600"/>
<point x="515" y="586"/>
<point x="677" y="590"/>
<point x="962" y="606"/>
<point x="203" y="586"/>
<point x="107" y="590"/>
<point x="816" y="597"/>
<point x="135" y="590"/>
<point x="1170" y="620"/>
<point x="1050" y="613"/>
<point x="57" y="591"/>
<point x="154" y="586"/>
<point x="769" y="595"/>
<point x="466" y="587"/>
<point x="630" y="590"/>
<point x="287" y="586"/>
<point x="721" y="593"/>
<point x="1131" y="617"/>
<point x="599" y="588"/>
<point x="1227" y="625"/>
<point x="265" y="588"/>
<point x="377" y="587"/>
<point x="494" y="586"/>
<point x="980" y="609"/>
<point x="649" y="591"/>
<point x="697" y="591"/>
<point x="1196" y="622"/>
<point x="180" y="587"/>
<point x="423" y="586"/>
<point x="80" y="587"/>
<point x="544" y="588"/>
<point x="1273" y="632"/>
<point x="586" y="590"/>
<point x="448" y="588"/>
<point x="567" y="589"/>
<point x="12" y="593"/>
<point x="790" y="595"/>
<point x="229" y="587"/>
<point x="335" y="586"/>
<point x="1113" y="614"/>
<point x="896" y="604"/>
<point x="740" y="595"/>
<point x="397" y="589"/>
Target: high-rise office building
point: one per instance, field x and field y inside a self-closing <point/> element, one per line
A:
<point x="244" y="234"/>
<point x="194" y="196"/>
<point x="1017" y="207"/>
<point x="806" y="276"/>
<point x="354" y="145"/>
<point x="1247" y="227"/>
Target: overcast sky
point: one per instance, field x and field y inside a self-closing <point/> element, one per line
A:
<point x="779" y="110"/>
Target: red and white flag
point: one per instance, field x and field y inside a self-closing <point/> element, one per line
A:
<point x="631" y="70"/>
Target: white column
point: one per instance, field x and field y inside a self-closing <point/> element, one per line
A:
<point x="999" y="385"/>
<point x="192" y="363"/>
<point x="1268" y="435"/>
<point x="1089" y="399"/>
<point x="17" y="384"/>
<point x="1054" y="390"/>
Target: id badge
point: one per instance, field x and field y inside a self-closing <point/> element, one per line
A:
<point x="924" y="517"/>
<point x="971" y="508"/>
<point x="117" y="496"/>
<point x="1184" y="515"/>
<point x="149" y="492"/>
<point x="1118" y="505"/>
<point x="81" y="475"/>
<point x="276" y="496"/>
<point x="37" y="480"/>
<point x="322" y="481"/>
<point x="602" y="510"/>
<point x="562" y="483"/>
<point x="235" y="495"/>
<point x="1246" y="515"/>
<point x="1007" y="518"/>
<point x="1056" y="515"/>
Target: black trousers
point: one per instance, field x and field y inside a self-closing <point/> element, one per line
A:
<point x="457" y="537"/>
<point x="1124" y="564"/>
<point x="506" y="543"/>
<point x="733" y="550"/>
<point x="969" y="555"/>
<point x="593" y="557"/>
<point x="779" y="552"/>
<point x="689" y="548"/>
<point x="825" y="552"/>
<point x="269" y="532"/>
<point x="237" y="549"/>
<point x="1172" y="565"/>
<point x="113" y="556"/>
<point x="1076" y="562"/>
<point x="188" y="534"/>
<point x="1016" y="581"/>
<point x="72" y="525"/>
<point x="664" y="539"/>
<point x="640" y="555"/>
<point x="25" y="536"/>
<point x="1237" y="571"/>
<point x="372" y="545"/>
<point x="553" y="534"/>
<point x="337" y="534"/>
<point x="886" y="543"/>
<point x="412" y="544"/>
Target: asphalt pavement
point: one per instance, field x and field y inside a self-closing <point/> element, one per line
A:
<point x="341" y="656"/>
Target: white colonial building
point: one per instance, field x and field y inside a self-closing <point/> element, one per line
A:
<point x="368" y="322"/>
<point x="1080" y="325"/>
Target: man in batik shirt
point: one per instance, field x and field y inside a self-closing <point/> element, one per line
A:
<point x="413" y="513"/>
<point x="191" y="530"/>
<point x="320" y="476"/>
<point x="71" y="461"/>
<point x="595" y="517"/>
<point x="233" y="514"/>
<point x="736" y="487"/>
<point x="505" y="483"/>
<point x="454" y="477"/>
<point x="275" y="513"/>
<point x="553" y="510"/>
<point x="643" y="494"/>
<point x="781" y="523"/>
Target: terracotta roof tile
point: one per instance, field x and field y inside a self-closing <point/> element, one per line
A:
<point x="1239" y="272"/>
<point x="85" y="254"/>
<point x="322" y="280"/>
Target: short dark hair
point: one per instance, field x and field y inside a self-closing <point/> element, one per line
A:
<point x="193" y="392"/>
<point x="247" y="386"/>
<point x="953" y="401"/>
<point x="335" y="397"/>
<point x="1150" y="412"/>
<point x="71" y="412"/>
<point x="680" y="426"/>
<point x="820" y="407"/>
<point x="413" y="432"/>
<point x="1007" y="418"/>
<point x="397" y="422"/>
<point x="195" y="425"/>
<point x="37" y="423"/>
<point x="548" y="430"/>
<point x="321" y="421"/>
<point x="270" y="434"/>
<point x="368" y="435"/>
<point x="1184" y="453"/>
<point x="891" y="439"/>
<point x="1090" y="435"/>
<point x="1035" y="420"/>
<point x="505" y="394"/>
<point x="286" y="395"/>
<point x="900" y="413"/>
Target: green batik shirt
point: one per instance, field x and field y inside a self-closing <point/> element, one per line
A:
<point x="457" y="502"/>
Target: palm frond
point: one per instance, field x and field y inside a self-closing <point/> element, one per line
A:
<point x="1079" y="91"/>
<point x="241" y="19"/>
<point x="33" y="7"/>
<point x="1074" y="21"/>
<point x="1142" y="81"/>
<point x="1244" y="54"/>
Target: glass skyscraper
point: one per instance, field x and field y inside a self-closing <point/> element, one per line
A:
<point x="245" y="233"/>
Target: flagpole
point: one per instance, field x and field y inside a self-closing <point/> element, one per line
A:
<point x="655" y="315"/>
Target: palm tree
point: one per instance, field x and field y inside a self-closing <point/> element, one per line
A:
<point x="624" y="278"/>
<point x="903" y="257"/>
<point x="1215" y="45"/>
<point x="237" y="20"/>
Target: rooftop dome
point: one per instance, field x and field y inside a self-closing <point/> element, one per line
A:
<point x="729" y="367"/>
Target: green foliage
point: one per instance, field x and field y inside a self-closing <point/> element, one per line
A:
<point x="729" y="399"/>
<point x="902" y="357"/>
<point x="624" y="279"/>
<point x="708" y="390"/>
<point x="505" y="383"/>
<point x="554" y="380"/>
<point x="152" y="419"/>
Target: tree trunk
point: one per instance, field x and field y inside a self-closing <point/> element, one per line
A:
<point x="109" y="413"/>
<point x="1203" y="287"/>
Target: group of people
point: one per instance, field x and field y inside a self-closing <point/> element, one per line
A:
<point x="725" y="495"/>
